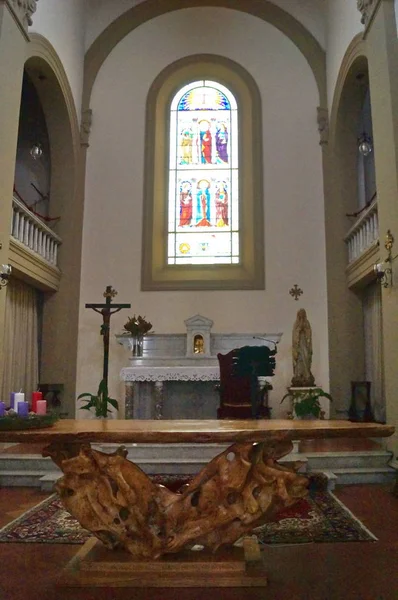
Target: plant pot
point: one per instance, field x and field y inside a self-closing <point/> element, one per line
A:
<point x="306" y="418"/>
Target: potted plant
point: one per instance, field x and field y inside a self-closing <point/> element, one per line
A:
<point x="305" y="402"/>
<point x="99" y="401"/>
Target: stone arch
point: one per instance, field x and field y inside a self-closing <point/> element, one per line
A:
<point x="346" y="339"/>
<point x="60" y="314"/>
<point x="145" y="11"/>
<point x="346" y="93"/>
<point x="50" y="80"/>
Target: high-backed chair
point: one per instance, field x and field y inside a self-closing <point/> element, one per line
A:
<point x="241" y="396"/>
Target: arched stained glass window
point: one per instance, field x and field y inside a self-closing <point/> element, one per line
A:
<point x="203" y="176"/>
<point x="203" y="219"/>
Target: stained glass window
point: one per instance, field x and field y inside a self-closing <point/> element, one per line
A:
<point x="203" y="193"/>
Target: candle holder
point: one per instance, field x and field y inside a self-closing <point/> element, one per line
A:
<point x="13" y="422"/>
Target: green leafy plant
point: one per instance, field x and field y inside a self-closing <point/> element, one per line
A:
<point x="99" y="401"/>
<point x="306" y="402"/>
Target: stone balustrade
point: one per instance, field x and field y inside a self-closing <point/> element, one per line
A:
<point x="364" y="233"/>
<point x="29" y="230"/>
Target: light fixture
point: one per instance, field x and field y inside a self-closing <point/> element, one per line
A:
<point x="36" y="151"/>
<point x="5" y="272"/>
<point x="365" y="144"/>
<point x="383" y="274"/>
<point x="383" y="270"/>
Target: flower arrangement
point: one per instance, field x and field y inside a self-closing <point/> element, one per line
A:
<point x="137" y="326"/>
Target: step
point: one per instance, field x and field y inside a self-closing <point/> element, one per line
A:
<point x="20" y="478"/>
<point x="350" y="467"/>
<point x="336" y="460"/>
<point x="27" y="462"/>
<point x="359" y="475"/>
<point x="172" y="451"/>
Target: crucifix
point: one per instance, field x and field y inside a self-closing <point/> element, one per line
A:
<point x="106" y="310"/>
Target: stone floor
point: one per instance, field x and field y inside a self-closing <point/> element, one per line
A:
<point x="350" y="571"/>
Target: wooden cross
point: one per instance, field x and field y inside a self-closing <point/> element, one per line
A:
<point x="106" y="310"/>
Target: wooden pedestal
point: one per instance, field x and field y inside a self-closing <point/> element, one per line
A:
<point x="95" y="566"/>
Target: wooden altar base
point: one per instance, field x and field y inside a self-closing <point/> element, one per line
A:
<point x="96" y="566"/>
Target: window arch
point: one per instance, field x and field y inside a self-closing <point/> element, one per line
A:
<point x="203" y="208"/>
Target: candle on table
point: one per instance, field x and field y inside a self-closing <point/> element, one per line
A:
<point x="36" y="396"/>
<point x="41" y="407"/>
<point x="23" y="409"/>
<point x="18" y="397"/>
<point x="12" y="399"/>
<point x="2" y="409"/>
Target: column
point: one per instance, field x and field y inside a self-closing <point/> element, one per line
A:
<point x="14" y="19"/>
<point x="129" y="400"/>
<point x="382" y="51"/>
<point x="158" y="397"/>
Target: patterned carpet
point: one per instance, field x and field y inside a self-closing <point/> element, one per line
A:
<point x="320" y="517"/>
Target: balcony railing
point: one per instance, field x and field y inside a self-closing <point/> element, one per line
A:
<point x="33" y="233"/>
<point x="364" y="233"/>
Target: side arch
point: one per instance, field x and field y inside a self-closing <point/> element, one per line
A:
<point x="60" y="309"/>
<point x="354" y="61"/>
<point x="346" y="336"/>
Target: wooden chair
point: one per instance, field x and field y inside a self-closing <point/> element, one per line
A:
<point x="241" y="395"/>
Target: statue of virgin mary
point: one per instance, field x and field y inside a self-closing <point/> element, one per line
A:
<point x="302" y="351"/>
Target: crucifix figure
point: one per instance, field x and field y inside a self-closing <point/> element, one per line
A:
<point x="106" y="310"/>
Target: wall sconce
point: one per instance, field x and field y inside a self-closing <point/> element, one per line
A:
<point x="383" y="274"/>
<point x="383" y="271"/>
<point x="365" y="144"/>
<point x="5" y="272"/>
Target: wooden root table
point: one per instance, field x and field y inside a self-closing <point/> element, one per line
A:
<point x="164" y="539"/>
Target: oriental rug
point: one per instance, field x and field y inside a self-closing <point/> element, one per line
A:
<point x="320" y="517"/>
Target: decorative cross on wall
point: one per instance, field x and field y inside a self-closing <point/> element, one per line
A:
<point x="296" y="291"/>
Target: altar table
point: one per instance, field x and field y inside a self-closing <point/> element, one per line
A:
<point x="199" y="397"/>
<point x="239" y="489"/>
<point x="195" y="431"/>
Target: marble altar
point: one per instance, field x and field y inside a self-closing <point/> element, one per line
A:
<point x="176" y="378"/>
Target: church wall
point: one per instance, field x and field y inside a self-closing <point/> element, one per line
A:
<point x="63" y="24"/>
<point x="293" y="196"/>
<point x="343" y="23"/>
<point x="101" y="13"/>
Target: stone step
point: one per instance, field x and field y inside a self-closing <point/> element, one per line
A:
<point x="27" y="462"/>
<point x="347" y="476"/>
<point x="172" y="451"/>
<point x="20" y="478"/>
<point x="336" y="460"/>
<point x="349" y="467"/>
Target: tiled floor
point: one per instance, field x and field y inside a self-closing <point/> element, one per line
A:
<point x="350" y="571"/>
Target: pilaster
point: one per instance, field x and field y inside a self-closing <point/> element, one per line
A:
<point x="382" y="52"/>
<point x="12" y="57"/>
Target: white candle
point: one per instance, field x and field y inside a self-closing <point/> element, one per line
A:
<point x="18" y="397"/>
<point x="41" y="407"/>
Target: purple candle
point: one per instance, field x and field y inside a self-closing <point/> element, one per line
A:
<point x="2" y="409"/>
<point x="23" y="409"/>
<point x="12" y="399"/>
